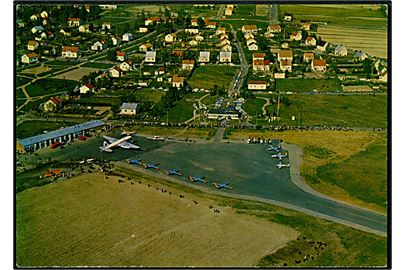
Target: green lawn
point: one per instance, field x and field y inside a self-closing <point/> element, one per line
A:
<point x="32" y="128"/>
<point x="351" y="178"/>
<point x="100" y="101"/>
<point x="253" y="106"/>
<point x="61" y="63"/>
<point x="307" y="85"/>
<point x="19" y="93"/>
<point x="49" y="86"/>
<point x="181" y="112"/>
<point x="350" y="15"/>
<point x="20" y="101"/>
<point x="206" y="77"/>
<point x="148" y="95"/>
<point x="98" y="65"/>
<point x="21" y="81"/>
<point x="344" y="110"/>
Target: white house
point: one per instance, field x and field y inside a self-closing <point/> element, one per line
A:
<point x="170" y="38"/>
<point x="84" y="89"/>
<point x="127" y="37"/>
<point x="37" y="29"/>
<point x="221" y="30"/>
<point x="115" y="72"/>
<point x="150" y="57"/>
<point x="308" y="56"/>
<point x="129" y="108"/>
<point x="285" y="65"/>
<point x="204" y="57"/>
<point x="249" y="28"/>
<point x="360" y="55"/>
<point x="29" y="58"/>
<point x="322" y="46"/>
<point x="274" y="28"/>
<point x="287" y="17"/>
<point x="285" y="55"/>
<point x="297" y="36"/>
<point x="70" y="52"/>
<point x="121" y="56"/>
<point x="257" y="85"/>
<point x="187" y="64"/>
<point x="99" y="46"/>
<point x="279" y="75"/>
<point x="250" y="41"/>
<point x="253" y="47"/>
<point x="177" y="81"/>
<point x="143" y="29"/>
<point x="319" y="65"/>
<point x="152" y="20"/>
<point x="224" y="42"/>
<point x="225" y="57"/>
<point x="116" y="40"/>
<point x="106" y="25"/>
<point x="193" y="31"/>
<point x="35" y="17"/>
<point x="226" y="48"/>
<point x="126" y="66"/>
<point x="44" y="14"/>
<point x="65" y="32"/>
<point x="146" y="47"/>
<point x="193" y="43"/>
<point x="199" y="38"/>
<point x="72" y="22"/>
<point x="32" y="45"/>
<point x="52" y="104"/>
<point x="340" y="50"/>
<point x="248" y="36"/>
<point x="85" y="28"/>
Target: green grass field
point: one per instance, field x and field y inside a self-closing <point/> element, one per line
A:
<point x="206" y="77"/>
<point x="49" y="86"/>
<point x="347" y="110"/>
<point x="253" y="106"/>
<point x="307" y="85"/>
<point x="19" y="93"/>
<point x="148" y="95"/>
<point x="60" y="63"/>
<point x="351" y="178"/>
<point x="348" y="15"/>
<point x="32" y="128"/>
<point x="98" y="65"/>
<point x="181" y="112"/>
<point x="106" y="101"/>
<point x="21" y="81"/>
<point x="20" y="101"/>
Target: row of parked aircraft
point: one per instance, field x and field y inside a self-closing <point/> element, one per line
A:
<point x="201" y="179"/>
<point x="279" y="155"/>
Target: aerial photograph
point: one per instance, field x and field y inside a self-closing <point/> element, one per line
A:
<point x="173" y="135"/>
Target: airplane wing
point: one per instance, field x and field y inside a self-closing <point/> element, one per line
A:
<point x="110" y="139"/>
<point x="127" y="145"/>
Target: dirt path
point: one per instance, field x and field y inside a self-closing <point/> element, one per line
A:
<point x="265" y="104"/>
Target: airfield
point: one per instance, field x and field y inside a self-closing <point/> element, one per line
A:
<point x="249" y="169"/>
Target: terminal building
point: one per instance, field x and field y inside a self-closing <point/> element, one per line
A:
<point x="62" y="135"/>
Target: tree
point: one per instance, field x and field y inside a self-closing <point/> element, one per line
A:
<point x="367" y="67"/>
<point x="200" y="22"/>
<point x="168" y="14"/>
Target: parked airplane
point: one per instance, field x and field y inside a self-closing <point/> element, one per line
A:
<point x="117" y="142"/>
<point x="275" y="148"/>
<point x="222" y="185"/>
<point x="156" y="138"/>
<point x="197" y="179"/>
<point x="281" y="165"/>
<point x="152" y="166"/>
<point x="174" y="172"/>
<point x="135" y="161"/>
<point x="127" y="133"/>
<point x="279" y="156"/>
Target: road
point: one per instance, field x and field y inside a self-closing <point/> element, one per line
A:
<point x="273" y="14"/>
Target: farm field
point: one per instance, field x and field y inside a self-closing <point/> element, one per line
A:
<point x="335" y="110"/>
<point x="32" y="128"/>
<point x="181" y="112"/>
<point x="119" y="224"/>
<point x="50" y="86"/>
<point x="206" y="77"/>
<point x="341" y="152"/>
<point x="36" y="70"/>
<point x="76" y="74"/>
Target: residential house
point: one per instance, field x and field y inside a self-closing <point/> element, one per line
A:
<point x="73" y="22"/>
<point x="204" y="57"/>
<point x="108" y="7"/>
<point x="150" y="57"/>
<point x="223" y="36"/>
<point x="248" y="36"/>
<point x="121" y="56"/>
<point x="221" y="30"/>
<point x="258" y="56"/>
<point x="88" y="87"/>
<point x="187" y="64"/>
<point x="127" y="37"/>
<point x="285" y="45"/>
<point x="199" y="38"/>
<point x="285" y="55"/>
<point x="126" y="65"/>
<point x="35" y="17"/>
<point x="178" y="53"/>
<point x="170" y="38"/>
<point x="193" y="31"/>
<point x="210" y="25"/>
<point x="274" y="28"/>
<point x="177" y="81"/>
<point x="228" y="11"/>
<point x="129" y="108"/>
<point x="297" y="36"/>
<point x="29" y="58"/>
<point x="308" y="56"/>
<point x="253" y="47"/>
<point x="279" y="75"/>
<point x="37" y="29"/>
<point x="310" y="41"/>
<point x="285" y="65"/>
<point x="50" y="34"/>
<point x="261" y="65"/>
<point x="43" y="35"/>
<point x="257" y="85"/>
<point x="146" y="47"/>
<point x="32" y="45"/>
<point x="288" y="17"/>
<point x="318" y="65"/>
<point x="65" y="32"/>
<point x="44" y="14"/>
<point x="116" y="40"/>
<point x="194" y="22"/>
<point x="160" y="71"/>
<point x="360" y="55"/>
<point x="224" y="42"/>
<point x="340" y="50"/>
<point x="99" y="45"/>
<point x="106" y="25"/>
<point x="53" y="104"/>
<point x="225" y="57"/>
<point x="322" y="46"/>
<point x="143" y="29"/>
<point x="152" y="20"/>
<point x="250" y="41"/>
<point x="115" y="72"/>
<point x="85" y="28"/>
<point x="70" y="52"/>
<point x="226" y="48"/>
<point x="251" y="28"/>
<point x="193" y="43"/>
<point x="306" y="26"/>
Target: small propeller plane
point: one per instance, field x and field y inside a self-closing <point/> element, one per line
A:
<point x="197" y="179"/>
<point x="281" y="165"/>
<point x="135" y="161"/>
<point x="152" y="166"/>
<point x="279" y="156"/>
<point x="174" y="172"/>
<point x="156" y="138"/>
<point x="222" y="185"/>
<point x="275" y="148"/>
<point x="112" y="142"/>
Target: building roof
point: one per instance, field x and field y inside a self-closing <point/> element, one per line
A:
<point x="70" y="48"/>
<point x="153" y="19"/>
<point x="121" y="53"/>
<point x="188" y="62"/>
<point x="257" y="82"/>
<point x="56" y="100"/>
<point x="309" y="38"/>
<point x="32" y="55"/>
<point x="319" y="63"/>
<point x="285" y="53"/>
<point x="129" y="106"/>
<point x="32" y="42"/>
<point x="259" y="55"/>
<point x="177" y="79"/>
<point x="62" y="132"/>
<point x="250" y="27"/>
<point x="89" y="85"/>
<point x="261" y="62"/>
<point x="150" y="54"/>
<point x="74" y="19"/>
<point x="275" y="27"/>
<point x="204" y="54"/>
<point x="309" y="55"/>
<point x="340" y="48"/>
<point x="286" y="62"/>
<point x="225" y="54"/>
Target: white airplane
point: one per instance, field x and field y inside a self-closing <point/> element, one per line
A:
<point x="156" y="138"/>
<point x="117" y="142"/>
<point x="281" y="165"/>
<point x="279" y="156"/>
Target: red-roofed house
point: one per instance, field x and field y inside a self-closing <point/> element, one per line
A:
<point x="258" y="56"/>
<point x="177" y="81"/>
<point x="53" y="104"/>
<point x="306" y="26"/>
<point x="32" y="45"/>
<point x="310" y="41"/>
<point x="261" y="65"/>
<point x="285" y="55"/>
<point x="257" y="85"/>
<point x="70" y="52"/>
<point x="29" y="58"/>
<point x="187" y="64"/>
<point x="319" y="65"/>
<point x="210" y="25"/>
<point x="249" y="28"/>
<point x="84" y="89"/>
<point x="121" y="56"/>
<point x="309" y="56"/>
<point x="286" y="65"/>
<point x="274" y="28"/>
<point x="297" y="36"/>
<point x="115" y="72"/>
<point x="194" y="22"/>
<point x="151" y="20"/>
<point x="73" y="22"/>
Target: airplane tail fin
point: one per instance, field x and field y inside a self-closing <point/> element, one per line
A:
<point x="104" y="149"/>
